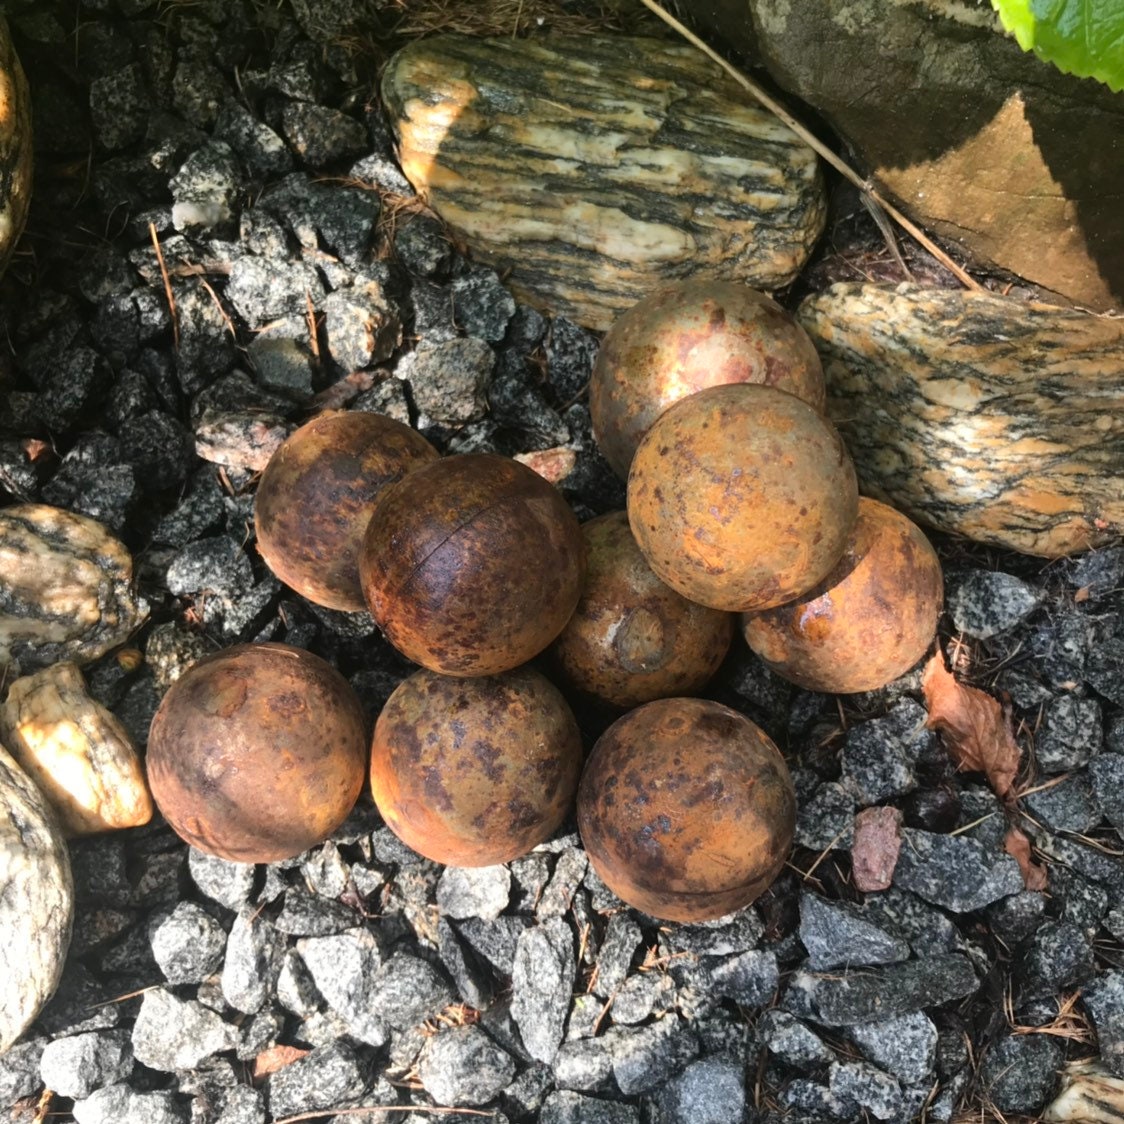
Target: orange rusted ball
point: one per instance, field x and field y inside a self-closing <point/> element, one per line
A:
<point x="472" y="772"/>
<point x="315" y="498"/>
<point x="742" y="497"/>
<point x="472" y="565"/>
<point x="632" y="638"/>
<point x="683" y="339"/>
<point x="869" y="621"/>
<point x="257" y="753"/>
<point x="686" y="809"/>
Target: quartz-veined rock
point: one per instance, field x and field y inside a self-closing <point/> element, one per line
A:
<point x="66" y="588"/>
<point x="983" y="415"/>
<point x="15" y="147"/>
<point x="36" y="901"/>
<point x="595" y="169"/>
<point x="76" y="751"/>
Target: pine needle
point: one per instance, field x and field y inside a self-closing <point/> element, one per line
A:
<point x="167" y="284"/>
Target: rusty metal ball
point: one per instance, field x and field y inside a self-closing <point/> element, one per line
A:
<point x="472" y="772"/>
<point x="869" y="621"/>
<point x="257" y="753"/>
<point x="472" y="565"/>
<point x="315" y="498"/>
<point x="742" y="497"/>
<point x="632" y="638"/>
<point x="686" y="809"/>
<point x="687" y="337"/>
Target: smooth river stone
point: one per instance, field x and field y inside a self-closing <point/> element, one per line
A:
<point x="36" y="901"/>
<point x="982" y="415"/>
<point x="591" y="171"/>
<point x="66" y="588"/>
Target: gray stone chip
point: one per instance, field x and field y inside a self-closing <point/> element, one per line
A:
<point x="1104" y="1000"/>
<point x="564" y="1107"/>
<point x="331" y="1075"/>
<point x="905" y="1046"/>
<point x="984" y="604"/>
<point x="345" y="971"/>
<point x="474" y="892"/>
<point x="407" y="991"/>
<point x="837" y="933"/>
<point x="76" y="1066"/>
<point x="1020" y="1072"/>
<point x="644" y="1058"/>
<point x="464" y="1066"/>
<point x="953" y="871"/>
<point x="187" y="944"/>
<point x="118" y="1103"/>
<point x="172" y="1034"/>
<point x="793" y="1042"/>
<point x="541" y="985"/>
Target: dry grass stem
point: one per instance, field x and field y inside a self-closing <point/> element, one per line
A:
<point x="167" y="285"/>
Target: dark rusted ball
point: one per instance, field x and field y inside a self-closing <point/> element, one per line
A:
<point x="686" y="809"/>
<point x="742" y="497"/>
<point x="315" y="498"/>
<point x="257" y="753"/>
<point x="632" y="638"/>
<point x="683" y="339"/>
<point x="869" y="621"/>
<point x="472" y="565"/>
<point x="472" y="772"/>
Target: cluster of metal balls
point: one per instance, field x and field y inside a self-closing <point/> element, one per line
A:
<point x="741" y="499"/>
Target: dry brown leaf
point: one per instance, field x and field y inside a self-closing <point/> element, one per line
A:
<point x="975" y="730"/>
<point x="874" y="853"/>
<point x="275" y="1058"/>
<point x="1017" y="845"/>
<point x="35" y="449"/>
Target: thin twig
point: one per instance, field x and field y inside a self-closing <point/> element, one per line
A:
<point x="814" y="143"/>
<point x="434" y="1110"/>
<point x="167" y="285"/>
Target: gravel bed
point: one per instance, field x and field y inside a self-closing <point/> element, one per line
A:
<point x="245" y="141"/>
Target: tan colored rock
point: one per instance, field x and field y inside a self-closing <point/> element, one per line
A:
<point x="73" y="748"/>
<point x="66" y="588"/>
<point x="592" y="170"/>
<point x="15" y="147"/>
<point x="36" y="901"/>
<point x="979" y="414"/>
<point x="987" y="145"/>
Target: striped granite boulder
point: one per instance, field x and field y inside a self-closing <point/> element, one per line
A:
<point x="982" y="415"/>
<point x="591" y="171"/>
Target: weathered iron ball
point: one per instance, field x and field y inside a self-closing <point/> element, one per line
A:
<point x="632" y="638"/>
<point x="687" y="337"/>
<point x="742" y="497"/>
<point x="868" y="622"/>
<point x="472" y="772"/>
<point x="686" y="809"/>
<point x="257" y="753"/>
<point x="472" y="565"/>
<point x="316" y="495"/>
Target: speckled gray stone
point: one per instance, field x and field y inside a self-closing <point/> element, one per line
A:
<point x="253" y="959"/>
<point x="954" y="872"/>
<point x="1019" y="1073"/>
<point x="644" y="1058"/>
<point x="880" y="756"/>
<point x="983" y="603"/>
<point x="330" y="1076"/>
<point x="541" y="984"/>
<point x="172" y="1034"/>
<point x="564" y="1107"/>
<point x="827" y="818"/>
<point x="76" y="1066"/>
<point x="614" y="957"/>
<point x="1104" y="1000"/>
<point x="1071" y="805"/>
<point x="748" y="978"/>
<point x="407" y="991"/>
<point x="793" y="1042"/>
<point x="584" y="1065"/>
<point x="344" y="968"/>
<point x="905" y="1046"/>
<point x="464" y="1066"/>
<point x="1070" y="734"/>
<point x="1106" y="773"/>
<point x="474" y="892"/>
<point x="187" y="943"/>
<point x="868" y="1087"/>
<point x="838" y="933"/>
<point x="117" y="1103"/>
<point x="709" y="1091"/>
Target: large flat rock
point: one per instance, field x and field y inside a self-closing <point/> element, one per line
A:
<point x="982" y="415"/>
<point x="990" y="147"/>
<point x="590" y="170"/>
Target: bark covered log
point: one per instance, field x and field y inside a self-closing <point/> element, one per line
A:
<point x="986" y="416"/>
<point x="593" y="170"/>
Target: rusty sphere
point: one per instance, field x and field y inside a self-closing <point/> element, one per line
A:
<point x="869" y="621"/>
<point x="632" y="638"/>
<point x="472" y="772"/>
<point x="742" y="497"/>
<point x="472" y="565"/>
<point x="315" y="498"/>
<point x="681" y="340"/>
<point x="686" y="809"/>
<point x="257" y="753"/>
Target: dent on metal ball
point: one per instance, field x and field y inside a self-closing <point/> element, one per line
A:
<point x="632" y="638"/>
<point x="742" y="497"/>
<point x="684" y="338"/>
<point x="869" y="621"/>
<point x="686" y="809"/>
<point x="472" y="772"/>
<point x="257" y="753"/>
<point x="316" y="495"/>
<point x="472" y="565"/>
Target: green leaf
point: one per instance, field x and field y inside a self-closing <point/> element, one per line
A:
<point x="1081" y="37"/>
